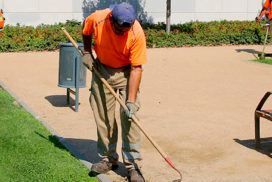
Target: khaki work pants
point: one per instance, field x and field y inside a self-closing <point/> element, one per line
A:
<point x="103" y="104"/>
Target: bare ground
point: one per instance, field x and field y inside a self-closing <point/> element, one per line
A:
<point x="197" y="103"/>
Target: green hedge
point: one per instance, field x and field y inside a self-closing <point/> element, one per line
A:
<point x="48" y="37"/>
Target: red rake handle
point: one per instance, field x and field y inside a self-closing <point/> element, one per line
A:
<point x="172" y="165"/>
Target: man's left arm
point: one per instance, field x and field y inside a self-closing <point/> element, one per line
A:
<point x="138" y="58"/>
<point x="133" y="86"/>
<point x="134" y="82"/>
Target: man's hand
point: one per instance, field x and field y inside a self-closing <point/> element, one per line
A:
<point x="257" y="19"/>
<point x="87" y="60"/>
<point x="132" y="109"/>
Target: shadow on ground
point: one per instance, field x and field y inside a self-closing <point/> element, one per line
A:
<point x="251" y="51"/>
<point x="52" y="139"/>
<point x="266" y="145"/>
<point x="60" y="101"/>
<point x="87" y="148"/>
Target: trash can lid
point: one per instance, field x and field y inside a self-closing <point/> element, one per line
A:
<point x="64" y="44"/>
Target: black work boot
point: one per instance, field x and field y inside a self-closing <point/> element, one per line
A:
<point x="103" y="167"/>
<point x="135" y="175"/>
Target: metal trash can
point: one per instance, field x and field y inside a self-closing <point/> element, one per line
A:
<point x="72" y="73"/>
<point x="71" y="67"/>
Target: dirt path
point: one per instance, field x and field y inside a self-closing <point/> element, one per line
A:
<point x="197" y="103"/>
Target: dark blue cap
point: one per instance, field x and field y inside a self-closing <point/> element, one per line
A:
<point x="123" y="14"/>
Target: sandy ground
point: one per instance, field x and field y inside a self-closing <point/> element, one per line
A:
<point x="197" y="103"/>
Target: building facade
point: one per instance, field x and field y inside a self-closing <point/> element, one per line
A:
<point x="35" y="12"/>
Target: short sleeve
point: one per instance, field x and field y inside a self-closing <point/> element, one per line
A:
<point x="138" y="49"/>
<point x="267" y="4"/>
<point x="88" y="25"/>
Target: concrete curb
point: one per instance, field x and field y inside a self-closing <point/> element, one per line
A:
<point x="69" y="147"/>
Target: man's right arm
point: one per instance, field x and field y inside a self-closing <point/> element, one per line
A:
<point x="261" y="14"/>
<point x="87" y="40"/>
<point x="266" y="5"/>
<point x="87" y="58"/>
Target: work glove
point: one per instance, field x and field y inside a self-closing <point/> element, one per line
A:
<point x="87" y="60"/>
<point x="132" y="109"/>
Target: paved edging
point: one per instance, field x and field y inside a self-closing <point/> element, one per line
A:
<point x="69" y="147"/>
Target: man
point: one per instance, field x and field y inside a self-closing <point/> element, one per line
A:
<point x="265" y="11"/>
<point x="120" y="47"/>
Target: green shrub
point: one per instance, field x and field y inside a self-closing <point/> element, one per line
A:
<point x="48" y="37"/>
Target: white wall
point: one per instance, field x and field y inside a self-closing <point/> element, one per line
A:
<point x="204" y="10"/>
<point x="35" y="12"/>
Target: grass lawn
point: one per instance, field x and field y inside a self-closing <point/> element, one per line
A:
<point x="28" y="152"/>
<point x="266" y="61"/>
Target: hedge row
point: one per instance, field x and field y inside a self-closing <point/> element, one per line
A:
<point x="48" y="37"/>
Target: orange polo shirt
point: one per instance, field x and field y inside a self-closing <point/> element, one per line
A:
<point x="115" y="50"/>
<point x="1" y="20"/>
<point x="267" y="5"/>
